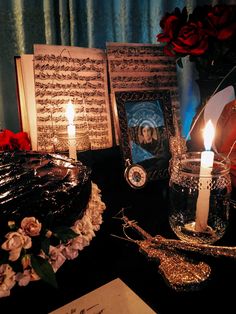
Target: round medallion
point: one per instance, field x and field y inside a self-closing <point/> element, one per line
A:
<point x="136" y="176"/>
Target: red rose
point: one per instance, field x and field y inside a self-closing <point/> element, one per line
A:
<point x="222" y="21"/>
<point x="11" y="141"/>
<point x="208" y="31"/>
<point x="192" y="39"/>
<point x="23" y="142"/>
<point x="5" y="140"/>
<point x="171" y="24"/>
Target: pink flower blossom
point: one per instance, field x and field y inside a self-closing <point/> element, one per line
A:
<point x="56" y="258"/>
<point x="15" y="242"/>
<point x="7" y="280"/>
<point x="31" y="226"/>
<point x="23" y="278"/>
<point x="79" y="243"/>
<point x="69" y="252"/>
<point x="28" y="275"/>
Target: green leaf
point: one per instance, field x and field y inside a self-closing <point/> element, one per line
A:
<point x="44" y="270"/>
<point x="45" y="243"/>
<point x="64" y="234"/>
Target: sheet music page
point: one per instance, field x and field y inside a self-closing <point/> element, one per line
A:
<point x="79" y="75"/>
<point x="114" y="297"/>
<point x="134" y="67"/>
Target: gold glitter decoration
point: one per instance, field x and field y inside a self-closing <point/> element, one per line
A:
<point x="206" y="249"/>
<point x="161" y="242"/>
<point x="177" y="143"/>
<point x="179" y="271"/>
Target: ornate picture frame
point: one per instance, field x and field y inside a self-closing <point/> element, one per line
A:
<point x="145" y="125"/>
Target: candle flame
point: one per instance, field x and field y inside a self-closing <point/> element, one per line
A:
<point x="70" y="112"/>
<point x="208" y="135"/>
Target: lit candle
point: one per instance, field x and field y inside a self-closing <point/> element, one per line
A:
<point x="71" y="131"/>
<point x="207" y="159"/>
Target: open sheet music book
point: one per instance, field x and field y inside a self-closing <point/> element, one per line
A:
<point x="89" y="78"/>
<point x="114" y="297"/>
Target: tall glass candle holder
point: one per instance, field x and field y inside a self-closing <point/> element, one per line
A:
<point x="199" y="202"/>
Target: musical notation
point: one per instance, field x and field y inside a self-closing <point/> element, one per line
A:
<point x="61" y="78"/>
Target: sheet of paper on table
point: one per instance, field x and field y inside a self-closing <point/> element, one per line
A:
<point x="114" y="297"/>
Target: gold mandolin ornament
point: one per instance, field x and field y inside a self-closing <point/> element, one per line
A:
<point x="179" y="271"/>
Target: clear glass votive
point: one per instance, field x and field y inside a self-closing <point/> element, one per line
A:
<point x="199" y="203"/>
<point x="81" y="142"/>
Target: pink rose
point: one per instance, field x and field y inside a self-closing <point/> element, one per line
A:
<point x="78" y="243"/>
<point x="28" y="275"/>
<point x="69" y="252"/>
<point x="7" y="280"/>
<point x="15" y="242"/>
<point x="23" y="278"/>
<point x="84" y="224"/>
<point x="31" y="226"/>
<point x="56" y="258"/>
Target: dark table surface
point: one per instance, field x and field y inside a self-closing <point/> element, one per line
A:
<point x="107" y="257"/>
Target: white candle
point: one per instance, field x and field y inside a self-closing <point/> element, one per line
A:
<point x="207" y="160"/>
<point x="71" y="131"/>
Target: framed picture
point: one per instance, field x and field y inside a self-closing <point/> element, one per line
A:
<point x="145" y="125"/>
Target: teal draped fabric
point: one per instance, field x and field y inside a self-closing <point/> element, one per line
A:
<point x="85" y="23"/>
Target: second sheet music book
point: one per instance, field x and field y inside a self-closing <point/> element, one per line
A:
<point x="88" y="78"/>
